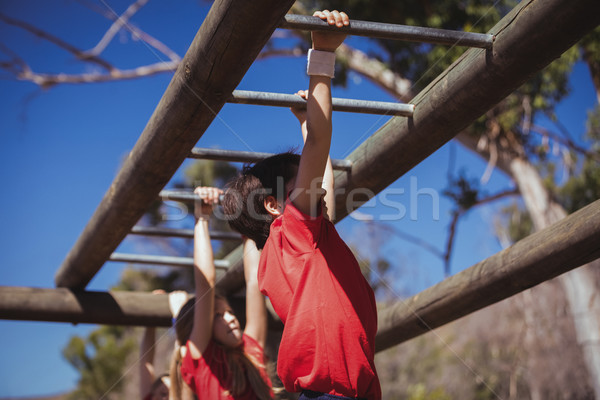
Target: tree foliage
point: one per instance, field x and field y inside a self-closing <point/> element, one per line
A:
<point x="100" y="361"/>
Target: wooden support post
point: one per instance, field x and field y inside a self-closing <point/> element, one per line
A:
<point x="568" y="244"/>
<point x="227" y="43"/>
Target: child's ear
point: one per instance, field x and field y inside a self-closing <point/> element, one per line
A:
<point x="272" y="206"/>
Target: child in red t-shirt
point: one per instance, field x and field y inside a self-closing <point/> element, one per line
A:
<point x="214" y="357"/>
<point x="309" y="274"/>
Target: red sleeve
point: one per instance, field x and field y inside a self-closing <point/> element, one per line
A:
<point x="252" y="348"/>
<point x="301" y="229"/>
<point x="190" y="365"/>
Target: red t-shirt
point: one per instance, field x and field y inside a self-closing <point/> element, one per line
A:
<point x="315" y="285"/>
<point x="208" y="376"/>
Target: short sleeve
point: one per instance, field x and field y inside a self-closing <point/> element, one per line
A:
<point x="190" y="366"/>
<point x="252" y="347"/>
<point x="300" y="227"/>
<point x="255" y="350"/>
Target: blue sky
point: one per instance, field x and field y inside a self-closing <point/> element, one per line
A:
<point x="61" y="148"/>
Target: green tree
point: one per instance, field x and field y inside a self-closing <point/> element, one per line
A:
<point x="100" y="361"/>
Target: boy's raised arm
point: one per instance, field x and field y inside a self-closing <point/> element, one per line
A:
<point x="318" y="140"/>
<point x="328" y="178"/>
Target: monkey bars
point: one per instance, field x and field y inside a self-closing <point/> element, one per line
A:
<point x="224" y="48"/>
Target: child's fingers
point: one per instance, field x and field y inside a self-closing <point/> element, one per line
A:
<point x="321" y="14"/>
<point x="345" y="18"/>
<point x="213" y="196"/>
<point x="335" y="18"/>
<point x="299" y="111"/>
<point x="302" y="93"/>
<point x="208" y="195"/>
<point x="200" y="192"/>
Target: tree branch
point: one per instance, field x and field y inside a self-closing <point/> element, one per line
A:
<point x="565" y="141"/>
<point x="56" y="41"/>
<point x="136" y="32"/>
<point x="47" y="80"/>
<point x="22" y="71"/>
<point x="497" y="196"/>
<point x="119" y="22"/>
<point x="412" y="239"/>
<point x="376" y="71"/>
<point x="289" y="52"/>
<point x="450" y="242"/>
<point x="16" y="65"/>
<point x="456" y="214"/>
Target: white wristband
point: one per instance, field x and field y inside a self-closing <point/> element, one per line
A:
<point x="320" y="63"/>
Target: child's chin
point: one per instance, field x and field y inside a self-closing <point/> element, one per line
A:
<point x="237" y="334"/>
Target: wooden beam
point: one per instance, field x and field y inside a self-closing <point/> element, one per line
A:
<point x="525" y="42"/>
<point x="570" y="243"/>
<point x="105" y="308"/>
<point x="227" y="43"/>
<point x="66" y="305"/>
<point x="232" y="280"/>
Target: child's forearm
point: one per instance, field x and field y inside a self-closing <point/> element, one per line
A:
<point x="318" y="115"/>
<point x="328" y="182"/>
<point x="328" y="177"/>
<point x="204" y="266"/>
<point x="204" y="272"/>
<point x="319" y="124"/>
<point x="318" y="110"/>
<point x="146" y="360"/>
<point x="256" y="311"/>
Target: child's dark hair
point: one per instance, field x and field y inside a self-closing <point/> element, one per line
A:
<point x="243" y="202"/>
